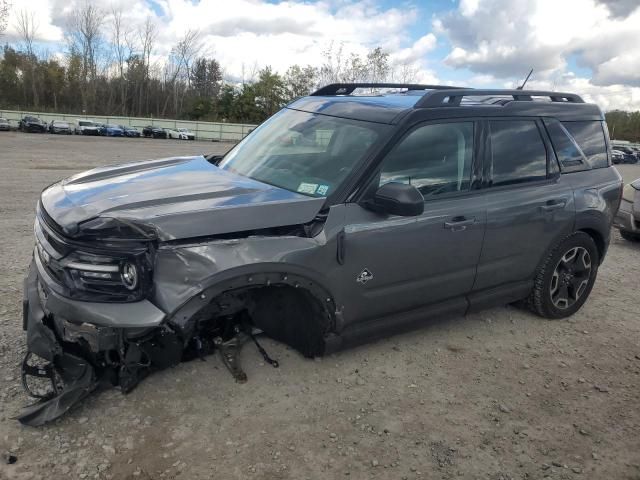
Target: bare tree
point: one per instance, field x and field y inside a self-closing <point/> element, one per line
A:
<point x="331" y="71"/>
<point x="27" y="28"/>
<point x="85" y="33"/>
<point x="121" y="45"/>
<point x="249" y="74"/>
<point x="405" y="72"/>
<point x="5" y="6"/>
<point x="147" y="37"/>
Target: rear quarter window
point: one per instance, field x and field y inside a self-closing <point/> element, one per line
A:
<point x="589" y="136"/>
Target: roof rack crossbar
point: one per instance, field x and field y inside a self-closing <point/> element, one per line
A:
<point x="453" y="97"/>
<point x="349" y="88"/>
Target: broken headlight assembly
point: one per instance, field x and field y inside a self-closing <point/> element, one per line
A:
<point x="107" y="278"/>
<point x="93" y="269"/>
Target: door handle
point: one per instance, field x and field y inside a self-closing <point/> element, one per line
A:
<point x="459" y="223"/>
<point x="552" y="205"/>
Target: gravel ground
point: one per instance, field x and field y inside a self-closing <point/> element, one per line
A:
<point x="497" y="395"/>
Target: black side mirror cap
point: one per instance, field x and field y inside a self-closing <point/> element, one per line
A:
<point x="397" y="199"/>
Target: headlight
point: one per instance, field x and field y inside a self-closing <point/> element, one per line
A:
<point x="129" y="276"/>
<point x="629" y="193"/>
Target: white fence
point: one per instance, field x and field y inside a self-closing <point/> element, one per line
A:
<point x="220" y="132"/>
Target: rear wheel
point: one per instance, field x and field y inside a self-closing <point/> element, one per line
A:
<point x="565" y="278"/>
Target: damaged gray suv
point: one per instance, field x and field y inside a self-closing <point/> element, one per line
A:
<point x="342" y="218"/>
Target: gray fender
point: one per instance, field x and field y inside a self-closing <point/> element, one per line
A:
<point x="255" y="275"/>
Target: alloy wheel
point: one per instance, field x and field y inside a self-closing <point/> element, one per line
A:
<point x="570" y="277"/>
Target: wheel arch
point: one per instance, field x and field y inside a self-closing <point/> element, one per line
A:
<point x="315" y="303"/>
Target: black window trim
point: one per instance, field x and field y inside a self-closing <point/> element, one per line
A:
<point x="365" y="187"/>
<point x="552" y="177"/>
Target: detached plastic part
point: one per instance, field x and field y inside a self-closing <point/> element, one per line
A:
<point x="79" y="381"/>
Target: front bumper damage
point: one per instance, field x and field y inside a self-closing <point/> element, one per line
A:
<point x="73" y="355"/>
<point x="82" y="346"/>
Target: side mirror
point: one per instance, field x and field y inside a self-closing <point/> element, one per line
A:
<point x="397" y="199"/>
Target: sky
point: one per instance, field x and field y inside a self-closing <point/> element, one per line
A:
<point x="589" y="47"/>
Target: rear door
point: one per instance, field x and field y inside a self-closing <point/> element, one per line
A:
<point x="529" y="204"/>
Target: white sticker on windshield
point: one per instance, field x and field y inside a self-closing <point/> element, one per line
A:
<point x="322" y="189"/>
<point x="307" y="188"/>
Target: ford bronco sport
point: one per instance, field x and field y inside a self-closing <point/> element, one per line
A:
<point x="342" y="218"/>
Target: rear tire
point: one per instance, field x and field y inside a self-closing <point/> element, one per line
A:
<point x="632" y="237"/>
<point x="565" y="278"/>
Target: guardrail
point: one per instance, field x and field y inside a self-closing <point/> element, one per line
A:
<point x="212" y="131"/>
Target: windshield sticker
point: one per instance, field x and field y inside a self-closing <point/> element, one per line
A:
<point x="308" y="188"/>
<point x="322" y="189"/>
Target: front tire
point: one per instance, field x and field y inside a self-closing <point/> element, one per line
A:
<point x="565" y="278"/>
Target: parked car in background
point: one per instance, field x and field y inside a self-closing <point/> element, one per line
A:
<point x="154" y="132"/>
<point x="87" y="127"/>
<point x="188" y="134"/>
<point x="4" y="125"/>
<point x="343" y="218"/>
<point x="630" y="154"/>
<point x="176" y="133"/>
<point x="627" y="219"/>
<point x="617" y="156"/>
<point x="58" y="126"/>
<point x="130" y="131"/>
<point x="32" y="124"/>
<point x="111" y="130"/>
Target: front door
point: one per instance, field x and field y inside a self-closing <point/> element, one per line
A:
<point x="395" y="264"/>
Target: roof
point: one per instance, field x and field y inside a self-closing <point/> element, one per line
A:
<point x="442" y="102"/>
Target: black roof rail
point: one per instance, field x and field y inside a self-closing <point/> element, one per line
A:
<point x="348" y="88"/>
<point x="453" y="97"/>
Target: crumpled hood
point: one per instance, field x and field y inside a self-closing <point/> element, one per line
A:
<point x="178" y="198"/>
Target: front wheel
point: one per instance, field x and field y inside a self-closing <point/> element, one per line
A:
<point x="565" y="278"/>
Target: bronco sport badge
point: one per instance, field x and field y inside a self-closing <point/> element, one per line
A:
<point x="365" y="276"/>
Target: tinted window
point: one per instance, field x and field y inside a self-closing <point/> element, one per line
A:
<point x="567" y="150"/>
<point x="518" y="153"/>
<point x="435" y="159"/>
<point x="590" y="138"/>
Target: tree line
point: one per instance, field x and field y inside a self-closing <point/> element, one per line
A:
<point x="112" y="68"/>
<point x="624" y="125"/>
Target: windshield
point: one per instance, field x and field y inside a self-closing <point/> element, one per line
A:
<point x="303" y="152"/>
<point x="86" y="124"/>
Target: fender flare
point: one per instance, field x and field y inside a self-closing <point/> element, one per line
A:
<point x="257" y="275"/>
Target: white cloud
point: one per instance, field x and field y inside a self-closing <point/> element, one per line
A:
<point x="506" y="38"/>
<point x="503" y="39"/>
<point x="242" y="33"/>
<point x="607" y="98"/>
<point x="40" y="12"/>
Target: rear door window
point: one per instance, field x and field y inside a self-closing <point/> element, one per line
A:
<point x="518" y="154"/>
<point x="590" y="138"/>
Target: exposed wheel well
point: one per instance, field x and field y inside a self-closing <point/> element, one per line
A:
<point x="291" y="315"/>
<point x="287" y="307"/>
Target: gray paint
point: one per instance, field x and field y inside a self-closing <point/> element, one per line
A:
<point x="210" y="231"/>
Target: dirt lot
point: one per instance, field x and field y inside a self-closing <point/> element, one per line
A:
<point x="497" y="395"/>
